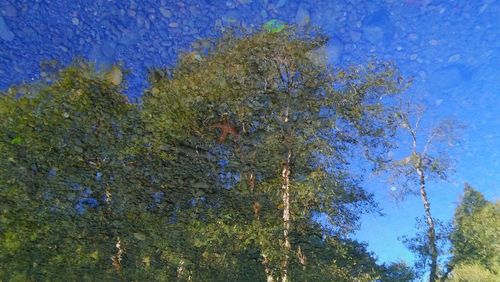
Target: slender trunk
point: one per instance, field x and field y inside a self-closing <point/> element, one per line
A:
<point x="256" y="206"/>
<point x="302" y="258"/>
<point x="256" y="211"/>
<point x="431" y="232"/>
<point x="181" y="271"/>
<point x="445" y="277"/>
<point x="116" y="259"/>
<point x="286" y="216"/>
<point x="285" y="187"/>
<point x="267" y="270"/>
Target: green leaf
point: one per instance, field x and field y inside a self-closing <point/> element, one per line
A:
<point x="140" y="236"/>
<point x="274" y="26"/>
<point x="17" y="140"/>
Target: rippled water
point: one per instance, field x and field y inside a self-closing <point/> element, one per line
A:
<point x="451" y="49"/>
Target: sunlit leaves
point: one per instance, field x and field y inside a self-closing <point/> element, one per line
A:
<point x="16" y="141"/>
<point x="473" y="273"/>
<point x="475" y="238"/>
<point x="85" y="167"/>
<point x="65" y="134"/>
<point x="253" y="80"/>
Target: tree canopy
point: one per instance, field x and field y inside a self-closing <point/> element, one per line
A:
<point x="235" y="166"/>
<point x="475" y="238"/>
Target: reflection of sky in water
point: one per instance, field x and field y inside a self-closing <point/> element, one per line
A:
<point x="451" y="48"/>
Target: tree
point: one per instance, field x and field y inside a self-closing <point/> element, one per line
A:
<point x="267" y="88"/>
<point x="419" y="245"/>
<point x="472" y="273"/>
<point x="82" y="189"/>
<point x="397" y="272"/>
<point x="220" y="174"/>
<point x="64" y="150"/>
<point x="426" y="160"/>
<point x="475" y="237"/>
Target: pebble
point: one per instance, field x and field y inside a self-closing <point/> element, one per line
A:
<point x="355" y="36"/>
<point x="115" y="76"/>
<point x="9" y="11"/>
<point x="302" y="16"/>
<point x="318" y="56"/>
<point x="422" y="74"/>
<point x="334" y="50"/>
<point x="173" y="25"/>
<point x="29" y="35"/>
<point x="281" y="3"/>
<point x="412" y="36"/>
<point x="75" y="21"/>
<point x="129" y="37"/>
<point x="449" y="77"/>
<point x="5" y="33"/>
<point x="378" y="27"/>
<point x="454" y="58"/>
<point x="166" y="13"/>
<point x="373" y="33"/>
<point x="108" y="49"/>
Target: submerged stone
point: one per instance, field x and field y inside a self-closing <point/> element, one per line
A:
<point x="274" y="26"/>
<point x="5" y="33"/>
<point x="302" y="17"/>
<point x="378" y="27"/>
<point x="115" y="76"/>
<point x="449" y="77"/>
<point x="9" y="11"/>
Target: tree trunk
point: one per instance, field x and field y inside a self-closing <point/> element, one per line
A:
<point x="256" y="211"/>
<point x="286" y="216"/>
<point x="116" y="260"/>
<point x="431" y="232"/>
<point x="267" y="270"/>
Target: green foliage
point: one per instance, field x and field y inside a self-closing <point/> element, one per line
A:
<point x="425" y="161"/>
<point x="48" y="136"/>
<point x="476" y="234"/>
<point x="472" y="273"/>
<point x="472" y="201"/>
<point x="398" y="272"/>
<point x="270" y="89"/>
<point x="79" y="139"/>
<point x="419" y="244"/>
<point x="56" y="138"/>
<point x="427" y="151"/>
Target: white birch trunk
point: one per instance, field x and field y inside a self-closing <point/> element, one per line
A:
<point x="116" y="260"/>
<point x="285" y="174"/>
<point x="286" y="216"/>
<point x="431" y="231"/>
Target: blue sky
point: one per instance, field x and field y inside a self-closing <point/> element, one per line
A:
<point x="450" y="48"/>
